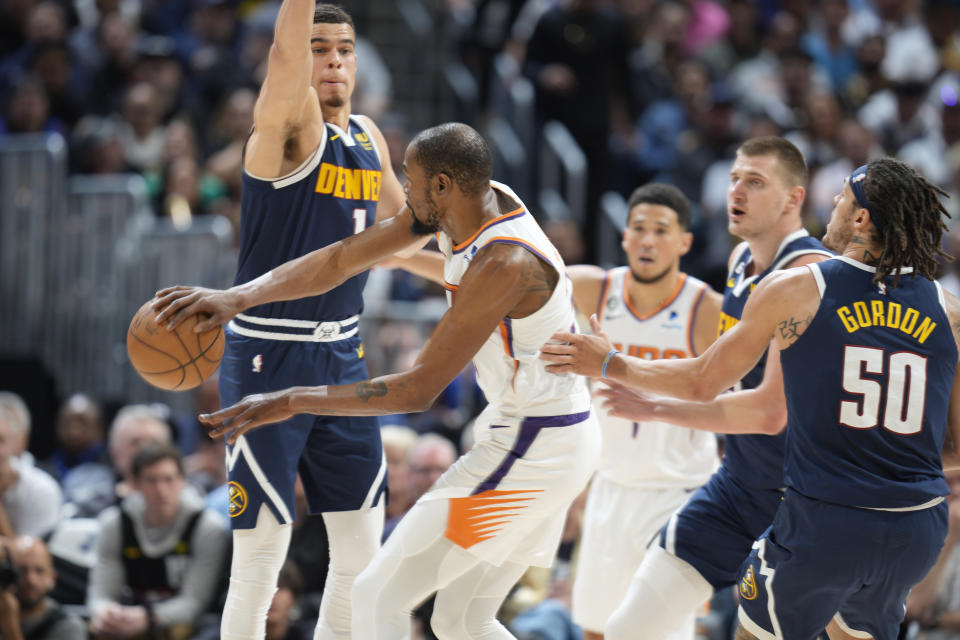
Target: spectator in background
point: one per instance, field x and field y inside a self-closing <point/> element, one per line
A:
<point x="142" y="132"/>
<point x="284" y="612"/>
<point x="80" y="437"/>
<point x="27" y="109"/>
<point x="397" y="442"/>
<point x="26" y="610"/>
<point x="29" y="498"/>
<point x="110" y="51"/>
<point x="133" y="427"/>
<point x="160" y="554"/>
<point x="826" y="45"/>
<point x="427" y="459"/>
<point x="14" y="427"/>
<point x="63" y="79"/>
<point x="855" y="147"/>
<point x="96" y="147"/>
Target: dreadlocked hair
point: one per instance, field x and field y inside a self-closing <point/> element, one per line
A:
<point x="911" y="213"/>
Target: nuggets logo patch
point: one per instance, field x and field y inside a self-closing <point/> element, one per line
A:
<point x="360" y="351"/>
<point x="748" y="585"/>
<point x="364" y="140"/>
<point x="237" y="498"/>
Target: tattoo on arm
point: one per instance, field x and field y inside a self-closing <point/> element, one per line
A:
<point x="539" y="281"/>
<point x="791" y="329"/>
<point x="367" y="389"/>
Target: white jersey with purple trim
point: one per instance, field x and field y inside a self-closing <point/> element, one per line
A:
<point x="537" y="442"/>
<point x="512" y="377"/>
<point x="653" y="455"/>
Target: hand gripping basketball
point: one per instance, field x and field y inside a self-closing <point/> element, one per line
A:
<point x="176" y="304"/>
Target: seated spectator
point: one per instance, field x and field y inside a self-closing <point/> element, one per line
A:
<point x="284" y="613"/>
<point x="133" y="427"/>
<point x="15" y="439"/>
<point x="397" y="441"/>
<point x="427" y="459"/>
<point x="29" y="498"/>
<point x="26" y="610"/>
<point x="80" y="437"/>
<point x="159" y="555"/>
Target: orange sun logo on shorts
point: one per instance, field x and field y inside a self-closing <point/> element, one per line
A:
<point x="237" y="498"/>
<point x="748" y="585"/>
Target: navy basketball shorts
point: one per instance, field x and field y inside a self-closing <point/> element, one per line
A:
<point x="340" y="459"/>
<point x="819" y="560"/>
<point x="716" y="528"/>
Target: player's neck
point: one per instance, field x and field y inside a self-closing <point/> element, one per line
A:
<point x="647" y="297"/>
<point x="472" y="214"/>
<point x="338" y="116"/>
<point x="763" y="248"/>
<point x="867" y="253"/>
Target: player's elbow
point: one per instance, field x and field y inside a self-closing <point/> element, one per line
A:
<point x="421" y="401"/>
<point x="773" y="419"/>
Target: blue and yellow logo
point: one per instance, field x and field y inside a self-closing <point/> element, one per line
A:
<point x="364" y="141"/>
<point x="360" y="351"/>
<point x="237" y="498"/>
<point x="748" y="585"/>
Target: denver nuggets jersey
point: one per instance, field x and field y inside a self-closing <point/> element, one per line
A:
<point x="868" y="385"/>
<point x="757" y="460"/>
<point x="509" y="372"/>
<point x="331" y="196"/>
<point x="653" y="454"/>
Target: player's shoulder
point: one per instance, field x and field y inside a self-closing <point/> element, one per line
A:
<point x="586" y="274"/>
<point x="809" y="257"/>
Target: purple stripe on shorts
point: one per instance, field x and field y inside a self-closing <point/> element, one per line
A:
<point x="529" y="429"/>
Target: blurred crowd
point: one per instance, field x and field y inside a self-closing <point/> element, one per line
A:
<point x="649" y="89"/>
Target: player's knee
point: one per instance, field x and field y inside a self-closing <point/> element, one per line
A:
<point x="448" y="625"/>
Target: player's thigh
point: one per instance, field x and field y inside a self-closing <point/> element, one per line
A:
<point x="716" y="528"/>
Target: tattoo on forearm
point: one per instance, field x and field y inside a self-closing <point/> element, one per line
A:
<point x="366" y="390"/>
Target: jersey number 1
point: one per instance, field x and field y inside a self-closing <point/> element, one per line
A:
<point x="359" y="220"/>
<point x="906" y="389"/>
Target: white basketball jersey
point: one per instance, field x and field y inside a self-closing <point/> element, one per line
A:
<point x="653" y="454"/>
<point x="509" y="372"/>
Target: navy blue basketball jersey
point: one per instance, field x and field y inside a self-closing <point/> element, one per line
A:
<point x="756" y="460"/>
<point x="331" y="196"/>
<point x="868" y="385"/>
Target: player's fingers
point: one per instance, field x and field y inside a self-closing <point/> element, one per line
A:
<point x="210" y="323"/>
<point x="558" y="368"/>
<point x="557" y="358"/>
<point x="168" y="290"/>
<point x="564" y="336"/>
<point x="595" y="324"/>
<point x="174" y="303"/>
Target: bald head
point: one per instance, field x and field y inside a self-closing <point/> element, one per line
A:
<point x="457" y="150"/>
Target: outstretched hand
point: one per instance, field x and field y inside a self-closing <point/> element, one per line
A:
<point x="175" y="304"/>
<point x="626" y="402"/>
<point x="576" y="352"/>
<point x="252" y="412"/>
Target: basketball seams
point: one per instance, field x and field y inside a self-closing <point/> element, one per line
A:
<point x="190" y="372"/>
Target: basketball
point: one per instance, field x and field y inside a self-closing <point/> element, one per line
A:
<point x="173" y="360"/>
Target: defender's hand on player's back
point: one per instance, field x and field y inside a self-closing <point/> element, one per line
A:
<point x="175" y="304"/>
<point x="250" y="413"/>
<point x="577" y="353"/>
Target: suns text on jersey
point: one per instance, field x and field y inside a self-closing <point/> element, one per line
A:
<point x="349" y="184"/>
<point x="890" y="315"/>
<point x="650" y="353"/>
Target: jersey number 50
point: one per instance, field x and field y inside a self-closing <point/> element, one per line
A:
<point x="906" y="389"/>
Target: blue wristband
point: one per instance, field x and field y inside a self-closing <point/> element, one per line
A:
<point x="606" y="362"/>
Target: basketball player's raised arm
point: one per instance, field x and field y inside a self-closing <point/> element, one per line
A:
<point x="287" y="102"/>
<point x="309" y="275"/>
<point x="783" y="299"/>
<point x="497" y="280"/>
<point x="951" y="443"/>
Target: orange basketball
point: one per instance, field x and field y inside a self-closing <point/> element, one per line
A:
<point x="174" y="360"/>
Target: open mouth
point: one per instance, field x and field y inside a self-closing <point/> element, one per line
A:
<point x="736" y="213"/>
<point x="645" y="260"/>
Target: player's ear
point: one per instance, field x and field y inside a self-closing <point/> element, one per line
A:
<point x="686" y="241"/>
<point x="444" y="183"/>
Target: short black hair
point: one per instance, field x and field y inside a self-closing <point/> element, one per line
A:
<point x="154" y="452"/>
<point x="666" y="195"/>
<point x="332" y="14"/>
<point x="457" y="150"/>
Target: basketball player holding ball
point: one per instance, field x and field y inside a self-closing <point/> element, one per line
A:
<point x="313" y="174"/>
